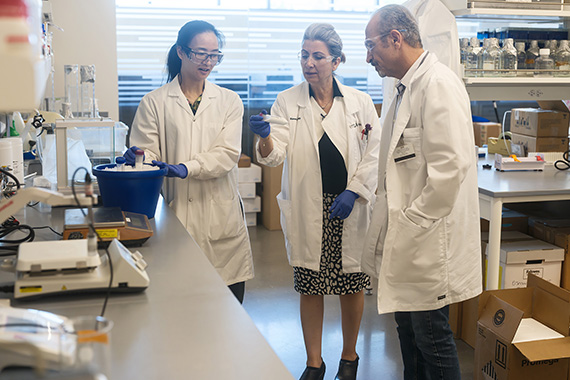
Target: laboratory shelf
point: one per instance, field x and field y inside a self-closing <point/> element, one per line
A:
<point x="517" y="88"/>
<point x="501" y="13"/>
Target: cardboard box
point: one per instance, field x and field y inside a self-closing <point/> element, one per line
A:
<point x="252" y="204"/>
<point x="521" y="258"/>
<point x="455" y="310"/>
<point x="271" y="186"/>
<point x="244" y="161"/>
<point x="469" y="316"/>
<point x="536" y="122"/>
<point x="510" y="221"/>
<point x="500" y="315"/>
<point x="246" y="189"/>
<point x="546" y="229"/>
<point x="483" y="131"/>
<point x="251" y="219"/>
<point x="562" y="239"/>
<point x="541" y="144"/>
<point x="249" y="174"/>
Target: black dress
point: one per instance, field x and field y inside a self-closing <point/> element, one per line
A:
<point x="330" y="279"/>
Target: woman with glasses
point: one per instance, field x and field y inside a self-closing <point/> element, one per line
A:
<point x="328" y="136"/>
<point x="193" y="128"/>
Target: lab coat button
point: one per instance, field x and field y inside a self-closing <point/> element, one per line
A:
<point x="190" y="199"/>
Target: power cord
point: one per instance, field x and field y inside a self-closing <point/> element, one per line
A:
<point x="564" y="163"/>
<point x="89" y="193"/>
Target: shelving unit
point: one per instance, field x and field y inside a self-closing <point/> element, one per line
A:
<point x="518" y="88"/>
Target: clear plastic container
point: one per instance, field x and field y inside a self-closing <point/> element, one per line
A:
<point x="87" y="75"/>
<point x="509" y="58"/>
<point x="521" y="58"/>
<point x="491" y="58"/>
<point x="562" y="60"/>
<point x="532" y="54"/>
<point x="544" y="63"/>
<point x="139" y="158"/>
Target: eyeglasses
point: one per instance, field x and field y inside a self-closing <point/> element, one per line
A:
<point x="200" y="57"/>
<point x="370" y="44"/>
<point x="317" y="58"/>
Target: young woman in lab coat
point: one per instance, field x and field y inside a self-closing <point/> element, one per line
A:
<point x="193" y="127"/>
<point x="328" y="136"/>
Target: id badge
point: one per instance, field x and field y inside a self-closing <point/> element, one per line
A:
<point x="404" y="152"/>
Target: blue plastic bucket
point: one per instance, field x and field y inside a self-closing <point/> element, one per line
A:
<point x="134" y="191"/>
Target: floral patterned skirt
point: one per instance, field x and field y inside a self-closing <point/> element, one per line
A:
<point x="330" y="279"/>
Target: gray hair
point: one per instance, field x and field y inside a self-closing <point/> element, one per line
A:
<point x="397" y="17"/>
<point x="326" y="33"/>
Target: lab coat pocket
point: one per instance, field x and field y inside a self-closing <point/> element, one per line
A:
<point x="417" y="253"/>
<point x="225" y="219"/>
<point x="412" y="138"/>
<point x="285" y="207"/>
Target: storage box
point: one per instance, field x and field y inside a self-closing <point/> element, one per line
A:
<point x="500" y="316"/>
<point x="541" y="144"/>
<point x="249" y="174"/>
<point x="520" y="258"/>
<point x="485" y="130"/>
<point x="244" y="161"/>
<point x="246" y="189"/>
<point x="510" y="221"/>
<point x="536" y="122"/>
<point x="546" y="229"/>
<point x="251" y="219"/>
<point x="271" y="186"/>
<point x="252" y="204"/>
<point x="562" y="239"/>
<point x="498" y="146"/>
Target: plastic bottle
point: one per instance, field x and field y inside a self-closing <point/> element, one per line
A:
<point x="471" y="57"/>
<point x="521" y="58"/>
<point x="120" y="163"/>
<point x="509" y="58"/>
<point x="15" y="36"/>
<point x="482" y="50"/>
<point x="562" y="60"/>
<point x="463" y="45"/>
<point x="491" y="58"/>
<point x="553" y="46"/>
<point x="544" y="62"/>
<point x="17" y="158"/>
<point x="531" y="54"/>
<point x="139" y="157"/>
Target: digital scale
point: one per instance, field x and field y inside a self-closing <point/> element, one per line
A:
<point x="129" y="228"/>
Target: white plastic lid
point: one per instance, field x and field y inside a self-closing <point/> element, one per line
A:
<point x="544" y="51"/>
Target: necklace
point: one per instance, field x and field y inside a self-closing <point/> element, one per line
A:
<point x="326" y="105"/>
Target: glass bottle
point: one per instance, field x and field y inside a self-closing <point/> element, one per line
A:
<point x="491" y="58"/>
<point x="562" y="60"/>
<point x="553" y="46"/>
<point x="471" y="57"/>
<point x="87" y="74"/>
<point x="463" y="46"/>
<point x="544" y="62"/>
<point x="521" y="58"/>
<point x="508" y="58"/>
<point x="531" y="54"/>
<point x="482" y="50"/>
<point x="71" y="80"/>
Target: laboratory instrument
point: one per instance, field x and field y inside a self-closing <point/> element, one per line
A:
<point x="132" y="229"/>
<point x="69" y="266"/>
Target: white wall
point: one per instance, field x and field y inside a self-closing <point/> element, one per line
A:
<point x="89" y="37"/>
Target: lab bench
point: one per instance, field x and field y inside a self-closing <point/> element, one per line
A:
<point x="186" y="325"/>
<point x="497" y="188"/>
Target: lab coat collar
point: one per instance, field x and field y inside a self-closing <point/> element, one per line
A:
<point x="304" y="100"/>
<point x="407" y="78"/>
<point x="174" y="90"/>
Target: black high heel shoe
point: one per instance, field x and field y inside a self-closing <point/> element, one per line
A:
<point x="314" y="373"/>
<point x="347" y="369"/>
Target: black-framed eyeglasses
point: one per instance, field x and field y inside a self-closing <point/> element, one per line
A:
<point x="369" y="43"/>
<point x="199" y="57"/>
<point x="317" y="58"/>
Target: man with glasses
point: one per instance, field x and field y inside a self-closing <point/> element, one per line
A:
<point x="423" y="243"/>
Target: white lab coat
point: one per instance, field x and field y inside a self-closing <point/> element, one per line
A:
<point x="208" y="144"/>
<point x="424" y="241"/>
<point x="438" y="31"/>
<point x="301" y="199"/>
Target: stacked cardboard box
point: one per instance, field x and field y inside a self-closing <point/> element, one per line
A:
<point x="248" y="176"/>
<point x="540" y="130"/>
<point x="483" y="131"/>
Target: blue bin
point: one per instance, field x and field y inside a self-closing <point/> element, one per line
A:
<point x="134" y="191"/>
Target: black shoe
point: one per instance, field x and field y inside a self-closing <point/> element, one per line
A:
<point x="347" y="369"/>
<point x="313" y="373"/>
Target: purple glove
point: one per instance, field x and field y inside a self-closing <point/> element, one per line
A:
<point x="130" y="155"/>
<point x="258" y="125"/>
<point x="179" y="170"/>
<point x="343" y="204"/>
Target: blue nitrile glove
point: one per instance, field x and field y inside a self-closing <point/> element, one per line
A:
<point x="130" y="155"/>
<point x="179" y="170"/>
<point x="343" y="204"/>
<point x="258" y="126"/>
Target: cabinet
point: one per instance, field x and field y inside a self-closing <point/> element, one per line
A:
<point x="515" y="88"/>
